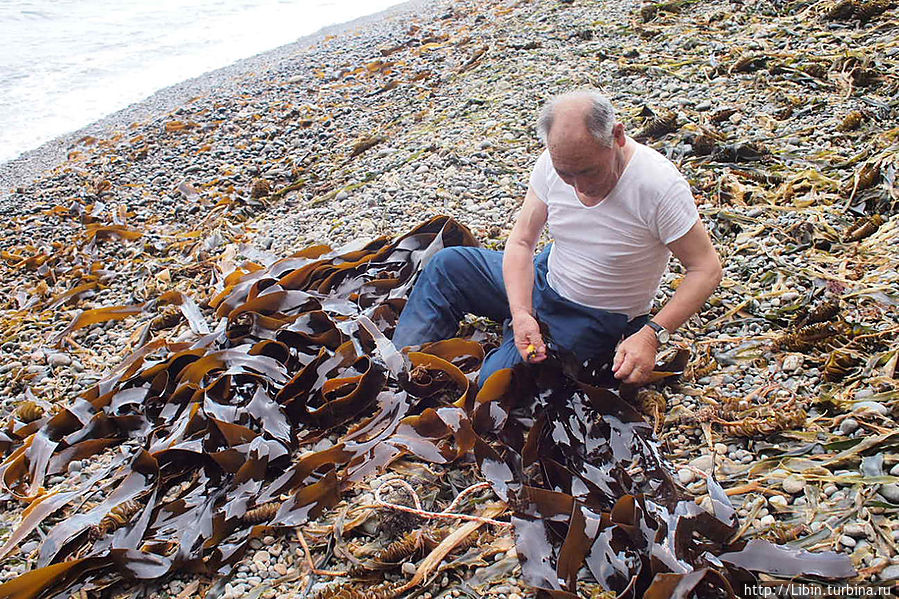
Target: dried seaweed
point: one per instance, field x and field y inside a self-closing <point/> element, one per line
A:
<point x="862" y="10"/>
<point x="118" y="517"/>
<point x="807" y="337"/>
<point x="29" y="411"/>
<point x="864" y="228"/>
<point x="658" y="126"/>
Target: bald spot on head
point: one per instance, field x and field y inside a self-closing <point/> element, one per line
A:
<point x="569" y="125"/>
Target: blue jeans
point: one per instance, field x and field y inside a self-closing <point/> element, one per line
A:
<point x="467" y="280"/>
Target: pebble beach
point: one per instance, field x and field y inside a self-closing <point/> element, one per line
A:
<point x="782" y="115"/>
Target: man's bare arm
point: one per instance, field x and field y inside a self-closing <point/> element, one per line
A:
<point x="696" y="253"/>
<point x="636" y="354"/>
<point x="518" y="275"/>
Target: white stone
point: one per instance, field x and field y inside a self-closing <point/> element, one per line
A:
<point x="703" y="462"/>
<point x="59" y="360"/>
<point x="409" y="568"/>
<point x="778" y="502"/>
<point x="792" y="362"/>
<point x="685" y="476"/>
<point x="793" y="484"/>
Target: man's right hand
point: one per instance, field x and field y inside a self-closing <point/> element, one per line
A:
<point x="528" y="339"/>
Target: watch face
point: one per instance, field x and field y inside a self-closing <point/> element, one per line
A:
<point x="663" y="336"/>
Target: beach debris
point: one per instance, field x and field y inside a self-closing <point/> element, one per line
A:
<point x="862" y="10"/>
<point x="260" y="189"/>
<point x="365" y="144"/>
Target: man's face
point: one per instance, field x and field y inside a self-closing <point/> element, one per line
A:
<point x="587" y="166"/>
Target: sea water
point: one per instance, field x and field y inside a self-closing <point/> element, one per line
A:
<point x="66" y="63"/>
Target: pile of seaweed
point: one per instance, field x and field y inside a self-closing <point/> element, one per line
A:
<point x="265" y="421"/>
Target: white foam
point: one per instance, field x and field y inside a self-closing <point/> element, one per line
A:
<point x="67" y="63"/>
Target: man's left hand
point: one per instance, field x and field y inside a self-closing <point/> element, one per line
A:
<point x="635" y="357"/>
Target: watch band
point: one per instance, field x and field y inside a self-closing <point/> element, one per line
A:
<point x="662" y="334"/>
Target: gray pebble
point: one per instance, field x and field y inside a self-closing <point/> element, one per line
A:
<point x="873" y="406"/>
<point x="29" y="547"/>
<point x="849" y="426"/>
<point x="856" y="531"/>
<point x="890" y="573"/>
<point x="847" y="541"/>
<point x="341" y="195"/>
<point x="778" y="502"/>
<point x="58" y="360"/>
<point x="890" y="492"/>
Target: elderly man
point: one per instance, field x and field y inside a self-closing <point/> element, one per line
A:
<point x="616" y="210"/>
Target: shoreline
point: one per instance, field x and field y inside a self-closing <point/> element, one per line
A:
<point x="30" y="165"/>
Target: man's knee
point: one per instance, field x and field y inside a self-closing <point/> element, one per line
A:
<point x="450" y="261"/>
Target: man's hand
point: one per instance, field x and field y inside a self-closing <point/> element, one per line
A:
<point x="528" y="339"/>
<point x="635" y="357"/>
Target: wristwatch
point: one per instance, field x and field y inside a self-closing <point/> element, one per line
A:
<point x="662" y="334"/>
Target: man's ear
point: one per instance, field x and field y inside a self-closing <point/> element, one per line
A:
<point x="618" y="134"/>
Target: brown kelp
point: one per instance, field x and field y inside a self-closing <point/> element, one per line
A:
<point x="222" y="426"/>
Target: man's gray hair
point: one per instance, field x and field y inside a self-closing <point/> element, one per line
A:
<point x="600" y="118"/>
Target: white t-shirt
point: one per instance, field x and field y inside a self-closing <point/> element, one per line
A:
<point x="612" y="255"/>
